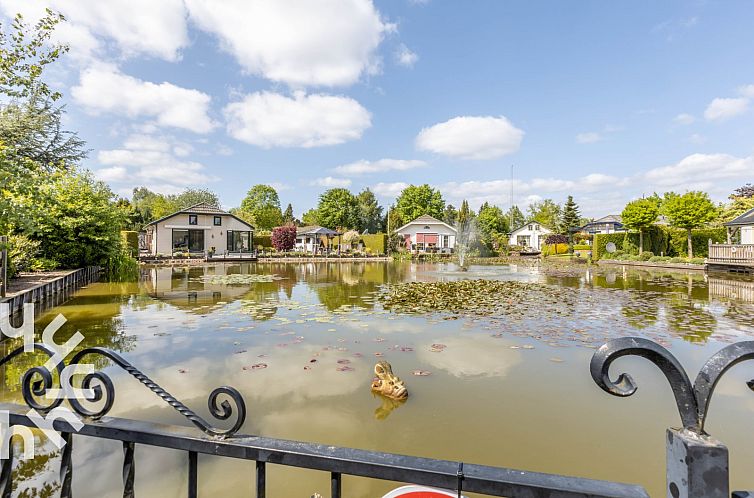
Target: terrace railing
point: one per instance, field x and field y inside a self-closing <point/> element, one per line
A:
<point x="697" y="464"/>
<point x="731" y="254"/>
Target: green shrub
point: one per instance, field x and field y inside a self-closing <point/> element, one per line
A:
<point x="676" y="259"/>
<point x="263" y="240"/>
<point x="601" y="240"/>
<point x="130" y="241"/>
<point x="696" y="261"/>
<point x="646" y="255"/>
<point x="633" y="257"/>
<point x="375" y="243"/>
<point x="581" y="247"/>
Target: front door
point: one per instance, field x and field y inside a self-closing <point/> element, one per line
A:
<point x="196" y="240"/>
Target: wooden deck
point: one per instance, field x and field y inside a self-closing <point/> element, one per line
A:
<point x="731" y="257"/>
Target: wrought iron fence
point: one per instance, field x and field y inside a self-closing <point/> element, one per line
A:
<point x="697" y="464"/>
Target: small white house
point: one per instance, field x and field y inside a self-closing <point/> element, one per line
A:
<point x="428" y="234"/>
<point x="744" y="224"/>
<point x="198" y="229"/>
<point x="530" y="235"/>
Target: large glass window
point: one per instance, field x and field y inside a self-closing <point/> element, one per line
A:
<point x="239" y="241"/>
<point x="180" y="240"/>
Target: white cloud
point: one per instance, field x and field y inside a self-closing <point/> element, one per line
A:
<point x="135" y="26"/>
<point x="471" y="137"/>
<point x="330" y="182"/>
<point x="151" y="161"/>
<point x="721" y="109"/>
<point x="364" y="167"/>
<point x="298" y="42"/>
<point x="273" y="120"/>
<point x="113" y="174"/>
<point x="103" y="88"/>
<point x="747" y="91"/>
<point x="383" y="189"/>
<point x="684" y="119"/>
<point x="697" y="139"/>
<point x="405" y="57"/>
<point x="700" y="171"/>
<point x="588" y="137"/>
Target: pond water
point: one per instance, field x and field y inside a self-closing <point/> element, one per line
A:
<point x="509" y="389"/>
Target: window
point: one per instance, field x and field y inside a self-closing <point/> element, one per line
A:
<point x="530" y="228"/>
<point x="180" y="240"/>
<point x="193" y="219"/>
<point x="239" y="241"/>
<point x="218" y="221"/>
<point x="446" y="241"/>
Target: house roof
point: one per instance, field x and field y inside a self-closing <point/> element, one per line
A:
<point x="610" y="218"/>
<point x="423" y="220"/>
<point x="541" y="226"/>
<point x="745" y="219"/>
<point x="315" y="230"/>
<point x="201" y="208"/>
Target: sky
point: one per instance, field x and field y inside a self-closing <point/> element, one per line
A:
<point x="489" y="101"/>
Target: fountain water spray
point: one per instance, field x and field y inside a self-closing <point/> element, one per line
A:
<point x="466" y="237"/>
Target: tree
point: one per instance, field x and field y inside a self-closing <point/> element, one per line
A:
<point x="640" y="215"/>
<point x="288" y="216"/>
<point x="193" y="196"/>
<point x="24" y="55"/>
<point x="310" y="217"/>
<point x="283" y="238"/>
<point x="262" y="205"/>
<point x="546" y="213"/>
<point x="338" y="208"/>
<point x="515" y="217"/>
<point x="370" y="212"/>
<point x="745" y="191"/>
<point x="450" y="215"/>
<point x="690" y="210"/>
<point x="416" y="201"/>
<point x="569" y="216"/>
<point x="492" y="223"/>
<point x="464" y="214"/>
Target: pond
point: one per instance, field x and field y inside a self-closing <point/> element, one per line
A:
<point x="505" y="388"/>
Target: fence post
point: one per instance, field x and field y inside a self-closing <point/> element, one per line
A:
<point x="697" y="466"/>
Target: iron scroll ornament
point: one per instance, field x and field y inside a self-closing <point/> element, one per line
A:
<point x="102" y="390"/>
<point x="692" y="400"/>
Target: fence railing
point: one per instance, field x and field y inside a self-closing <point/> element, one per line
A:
<point x="697" y="464"/>
<point x="731" y="253"/>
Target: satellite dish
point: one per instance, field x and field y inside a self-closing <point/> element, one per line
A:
<point x="610" y="247"/>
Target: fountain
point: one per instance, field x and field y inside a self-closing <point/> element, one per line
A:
<point x="466" y="236"/>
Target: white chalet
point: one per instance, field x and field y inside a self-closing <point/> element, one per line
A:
<point x="428" y="234"/>
<point x="530" y="235"/>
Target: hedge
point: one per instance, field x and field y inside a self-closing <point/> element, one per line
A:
<point x="375" y="243"/>
<point x="554" y="249"/>
<point x="263" y="240"/>
<point x="699" y="240"/>
<point x="130" y="241"/>
<point x="602" y="239"/>
<point x="660" y="241"/>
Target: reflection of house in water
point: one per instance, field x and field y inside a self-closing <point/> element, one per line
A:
<point x="183" y="288"/>
<point x="731" y="288"/>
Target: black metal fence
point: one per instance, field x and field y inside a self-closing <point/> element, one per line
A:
<point x="697" y="464"/>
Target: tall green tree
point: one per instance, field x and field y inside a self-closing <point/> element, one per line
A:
<point x="464" y="214"/>
<point x="262" y="205"/>
<point x="688" y="211"/>
<point x="546" y="213"/>
<point x="370" y="212"/>
<point x="288" y="216"/>
<point x="450" y="215"/>
<point x="515" y="217"/>
<point x="310" y="217"/>
<point x="492" y="224"/>
<point x="569" y="217"/>
<point x="418" y="200"/>
<point x="338" y="208"/>
<point x="640" y="215"/>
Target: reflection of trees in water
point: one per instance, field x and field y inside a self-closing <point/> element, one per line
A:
<point x="350" y="284"/>
<point x="692" y="323"/>
<point x="641" y="313"/>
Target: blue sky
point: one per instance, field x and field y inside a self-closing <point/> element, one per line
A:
<point x="602" y="100"/>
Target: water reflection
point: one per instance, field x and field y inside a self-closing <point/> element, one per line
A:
<point x="192" y="329"/>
